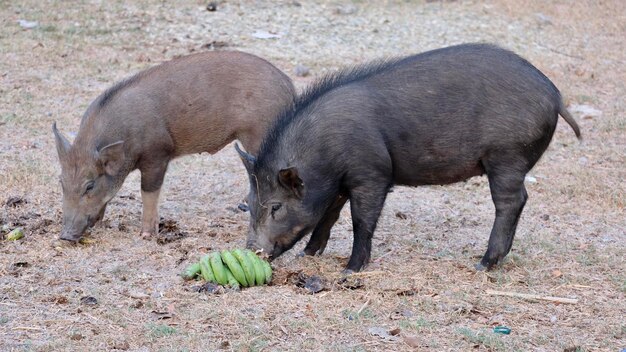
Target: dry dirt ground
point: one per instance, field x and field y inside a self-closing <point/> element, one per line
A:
<point x="570" y="241"/>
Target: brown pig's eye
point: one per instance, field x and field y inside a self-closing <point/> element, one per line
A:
<point x="89" y="187"/>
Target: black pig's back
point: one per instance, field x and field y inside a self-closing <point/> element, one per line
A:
<point x="433" y="117"/>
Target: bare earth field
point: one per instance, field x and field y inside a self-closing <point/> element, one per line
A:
<point x="570" y="243"/>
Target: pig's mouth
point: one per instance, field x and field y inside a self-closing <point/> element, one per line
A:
<point x="70" y="237"/>
<point x="75" y="233"/>
<point x="280" y="248"/>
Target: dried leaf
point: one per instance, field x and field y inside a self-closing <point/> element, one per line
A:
<point x="382" y="332"/>
<point x="411" y="341"/>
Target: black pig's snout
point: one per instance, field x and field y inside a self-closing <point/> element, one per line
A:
<point x="69" y="237"/>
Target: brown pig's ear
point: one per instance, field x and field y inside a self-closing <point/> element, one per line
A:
<point x="112" y="157"/>
<point x="289" y="179"/>
<point x="63" y="145"/>
<point x="247" y="158"/>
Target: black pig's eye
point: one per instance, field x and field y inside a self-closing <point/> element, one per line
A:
<point x="275" y="208"/>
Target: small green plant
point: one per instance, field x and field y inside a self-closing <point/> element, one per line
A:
<point x="416" y="325"/>
<point x="7" y="118"/>
<point x="589" y="257"/>
<point x="161" y="330"/>
<point x="356" y="315"/>
<point x="48" y="28"/>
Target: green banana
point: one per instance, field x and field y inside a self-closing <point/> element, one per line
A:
<point x="191" y="272"/>
<point x="206" y="271"/>
<point x="268" y="271"/>
<point x="16" y="234"/>
<point x="235" y="268"/>
<point x="218" y="268"/>
<point x="232" y="282"/>
<point x="246" y="265"/>
<point x="258" y="267"/>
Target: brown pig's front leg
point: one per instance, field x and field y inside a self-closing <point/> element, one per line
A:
<point x="151" y="182"/>
<point x="150" y="216"/>
<point x="100" y="216"/>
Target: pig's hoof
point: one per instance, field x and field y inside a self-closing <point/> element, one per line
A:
<point x="243" y="207"/>
<point x="146" y="235"/>
<point x="480" y="267"/>
<point x="300" y="254"/>
<point x="347" y="272"/>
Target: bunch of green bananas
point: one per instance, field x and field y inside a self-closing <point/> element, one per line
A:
<point x="234" y="268"/>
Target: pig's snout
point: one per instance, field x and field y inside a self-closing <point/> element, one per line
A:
<point x="73" y="229"/>
<point x="70" y="236"/>
<point x="270" y="250"/>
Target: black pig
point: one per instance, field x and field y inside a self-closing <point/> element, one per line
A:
<point x="430" y="119"/>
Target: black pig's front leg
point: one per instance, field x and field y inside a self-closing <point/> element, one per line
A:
<point x="366" y="203"/>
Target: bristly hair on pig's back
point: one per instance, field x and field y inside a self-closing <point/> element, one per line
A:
<point x="313" y="92"/>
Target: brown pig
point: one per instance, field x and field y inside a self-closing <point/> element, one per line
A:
<point x="193" y="104"/>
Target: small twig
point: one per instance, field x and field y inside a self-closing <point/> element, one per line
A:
<point x="560" y="52"/>
<point x="361" y="274"/>
<point x="27" y="328"/>
<point x="531" y="296"/>
<point x="363" y="306"/>
<point x="365" y="343"/>
<point x="377" y="260"/>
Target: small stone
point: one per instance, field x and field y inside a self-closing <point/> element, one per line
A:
<point x="260" y="34"/>
<point x="301" y="70"/>
<point x="553" y="319"/>
<point x="543" y="19"/>
<point x="211" y="6"/>
<point x="530" y="179"/>
<point x="76" y="336"/>
<point x="345" y="10"/>
<point x="89" y="301"/>
<point x="28" y="24"/>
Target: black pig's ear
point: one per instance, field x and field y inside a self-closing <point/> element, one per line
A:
<point x="112" y="157"/>
<point x="289" y="179"/>
<point x="247" y="158"/>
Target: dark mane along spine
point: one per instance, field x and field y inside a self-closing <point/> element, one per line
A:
<point x="315" y="91"/>
<point x="108" y="94"/>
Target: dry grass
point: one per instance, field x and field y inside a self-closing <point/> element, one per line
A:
<point x="570" y="241"/>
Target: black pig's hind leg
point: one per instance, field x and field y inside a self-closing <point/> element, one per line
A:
<point x="506" y="181"/>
